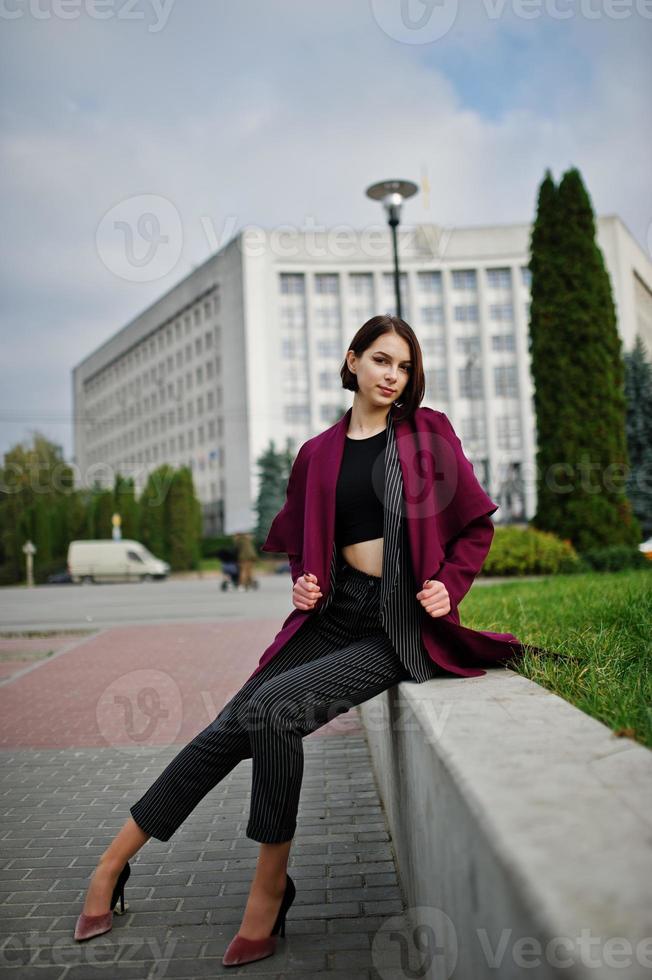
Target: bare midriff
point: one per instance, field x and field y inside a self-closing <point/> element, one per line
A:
<point x="366" y="556"/>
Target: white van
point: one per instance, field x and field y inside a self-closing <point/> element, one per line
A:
<point x="113" y="561"/>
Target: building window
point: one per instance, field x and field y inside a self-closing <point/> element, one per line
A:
<point x="469" y="379"/>
<point x="327" y="318"/>
<point x="473" y="429"/>
<point x="467" y="345"/>
<point x="297" y="413"/>
<point x="502" y="341"/>
<point x="464" y="314"/>
<point x="328" y="348"/>
<point x="291" y="282"/>
<point x="388" y="282"/>
<point x="292" y="318"/>
<point x="434" y="346"/>
<point x="501" y="311"/>
<point x="526" y="276"/>
<point x="464" y="279"/>
<point x="499" y="278"/>
<point x="432" y="314"/>
<point x="198" y="345"/>
<point x="328" y="380"/>
<point x="327" y="282"/>
<point x="429" y="282"/>
<point x="361" y="284"/>
<point x="508" y="432"/>
<point x="505" y="380"/>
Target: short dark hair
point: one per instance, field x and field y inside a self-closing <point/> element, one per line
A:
<point x="416" y="387"/>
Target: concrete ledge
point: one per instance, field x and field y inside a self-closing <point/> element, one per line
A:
<point x="522" y="829"/>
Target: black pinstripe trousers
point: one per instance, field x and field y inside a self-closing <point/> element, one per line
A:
<point x="338" y="658"/>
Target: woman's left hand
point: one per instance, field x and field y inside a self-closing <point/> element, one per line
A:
<point x="434" y="598"/>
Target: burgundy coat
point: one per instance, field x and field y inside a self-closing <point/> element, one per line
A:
<point x="449" y="529"/>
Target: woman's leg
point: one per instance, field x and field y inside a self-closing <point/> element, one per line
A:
<point x="281" y="712"/>
<point x="285" y="708"/>
<point x="216" y="750"/>
<point x="196" y="769"/>
<point x="128" y="841"/>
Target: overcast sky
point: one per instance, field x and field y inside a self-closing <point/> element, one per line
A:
<point x="282" y="113"/>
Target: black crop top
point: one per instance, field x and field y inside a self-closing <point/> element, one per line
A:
<point x="360" y="492"/>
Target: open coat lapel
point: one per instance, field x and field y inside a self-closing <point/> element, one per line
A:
<point x="440" y="496"/>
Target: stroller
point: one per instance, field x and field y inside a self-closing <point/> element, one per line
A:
<point x="230" y="567"/>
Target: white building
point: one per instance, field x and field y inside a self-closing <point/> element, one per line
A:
<point x="249" y="346"/>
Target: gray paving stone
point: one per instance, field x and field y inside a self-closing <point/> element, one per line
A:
<point x="187" y="895"/>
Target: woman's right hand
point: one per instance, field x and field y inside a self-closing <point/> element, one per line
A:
<point x="306" y="591"/>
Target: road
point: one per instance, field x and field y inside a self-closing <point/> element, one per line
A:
<point x="175" y="600"/>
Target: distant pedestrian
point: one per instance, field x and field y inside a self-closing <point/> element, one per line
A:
<point x="247" y="555"/>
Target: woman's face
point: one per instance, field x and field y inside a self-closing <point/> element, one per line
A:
<point x="382" y="370"/>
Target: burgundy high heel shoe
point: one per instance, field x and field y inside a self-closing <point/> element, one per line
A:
<point x="95" y="925"/>
<point x="241" y="950"/>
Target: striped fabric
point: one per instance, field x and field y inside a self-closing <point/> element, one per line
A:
<point x="401" y="614"/>
<point x="331" y="664"/>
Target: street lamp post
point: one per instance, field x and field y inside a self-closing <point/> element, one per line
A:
<point x="392" y="193"/>
<point x="29" y="550"/>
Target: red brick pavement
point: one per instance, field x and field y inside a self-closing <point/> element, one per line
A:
<point x="139" y="687"/>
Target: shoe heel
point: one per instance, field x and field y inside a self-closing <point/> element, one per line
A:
<point x="124" y="906"/>
<point x="288" y="898"/>
<point x="119" y="891"/>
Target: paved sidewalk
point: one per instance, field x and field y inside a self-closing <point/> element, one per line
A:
<point x="62" y="802"/>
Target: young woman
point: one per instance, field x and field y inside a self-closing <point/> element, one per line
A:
<point x="363" y="640"/>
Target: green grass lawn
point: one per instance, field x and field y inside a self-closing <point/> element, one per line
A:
<point x="599" y="626"/>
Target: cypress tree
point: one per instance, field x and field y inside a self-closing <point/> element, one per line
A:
<point x="638" y="391"/>
<point x="153" y="531"/>
<point x="274" y="472"/>
<point x="579" y="372"/>
<point x="103" y="511"/>
<point x="547" y="354"/>
<point x="181" y="518"/>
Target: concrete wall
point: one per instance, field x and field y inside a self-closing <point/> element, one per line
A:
<point x="521" y="826"/>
